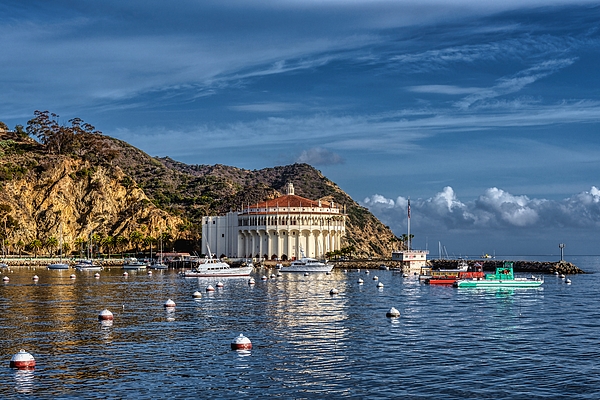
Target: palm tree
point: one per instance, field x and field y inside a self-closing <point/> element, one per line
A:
<point x="95" y="238"/>
<point x="35" y="246"/>
<point x="51" y="244"/>
<point x="120" y="242"/>
<point x="136" y="238"/>
<point x="20" y="244"/>
<point x="108" y="242"/>
<point x="80" y="243"/>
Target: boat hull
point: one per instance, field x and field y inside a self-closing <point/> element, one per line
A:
<point x="489" y="283"/>
<point x="58" y="266"/>
<point x="225" y="273"/>
<point x="291" y="268"/>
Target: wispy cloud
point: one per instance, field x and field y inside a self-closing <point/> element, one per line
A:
<point x="319" y="156"/>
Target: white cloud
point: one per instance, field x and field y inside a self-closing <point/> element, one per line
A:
<point x="319" y="156"/>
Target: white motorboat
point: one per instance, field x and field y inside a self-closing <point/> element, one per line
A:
<point x="58" y="265"/>
<point x="210" y="267"/>
<point x="87" y="265"/>
<point x="307" y="264"/>
<point x="133" y="263"/>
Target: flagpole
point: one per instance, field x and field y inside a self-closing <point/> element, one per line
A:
<point x="408" y="212"/>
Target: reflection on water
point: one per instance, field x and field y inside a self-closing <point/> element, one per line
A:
<point x="306" y="343"/>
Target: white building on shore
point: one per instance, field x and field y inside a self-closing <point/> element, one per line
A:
<point x="276" y="229"/>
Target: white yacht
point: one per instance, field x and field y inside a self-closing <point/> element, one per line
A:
<point x="210" y="267"/>
<point x="307" y="264"/>
<point x="133" y="263"/>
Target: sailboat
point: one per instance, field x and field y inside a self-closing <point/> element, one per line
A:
<point x="88" y="264"/>
<point x="60" y="264"/>
<point x="160" y="264"/>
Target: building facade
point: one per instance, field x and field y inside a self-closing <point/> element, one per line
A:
<point x="282" y="228"/>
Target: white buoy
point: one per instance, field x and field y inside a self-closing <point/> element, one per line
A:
<point x="360" y="281"/>
<point x="392" y="313"/>
<point x="333" y="291"/>
<point x="380" y="285"/>
<point x="273" y="276"/>
<point x="251" y="281"/>
<point x="375" y="278"/>
<point x="197" y="295"/>
<point x="358" y="270"/>
<point x="279" y="274"/>
<point x="210" y="288"/>
<point x="105" y="315"/>
<point x="220" y="284"/>
<point x="125" y="274"/>
<point x="241" y="343"/>
<point x="568" y="281"/>
<point x="306" y="274"/>
<point x="367" y="272"/>
<point x="73" y="276"/>
<point x="149" y="272"/>
<point x="36" y="278"/>
<point x="22" y="360"/>
<point x="555" y="272"/>
<point x="96" y="275"/>
<point x="562" y="276"/>
<point x="264" y="278"/>
<point x="169" y="303"/>
<point x="6" y="279"/>
<point x="405" y="275"/>
<point x="345" y="271"/>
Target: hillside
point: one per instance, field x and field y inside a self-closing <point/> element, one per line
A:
<point x="86" y="183"/>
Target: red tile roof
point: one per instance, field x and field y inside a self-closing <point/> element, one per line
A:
<point x="291" y="201"/>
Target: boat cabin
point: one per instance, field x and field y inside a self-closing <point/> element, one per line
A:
<point x="504" y="272"/>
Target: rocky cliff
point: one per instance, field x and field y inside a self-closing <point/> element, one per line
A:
<point x="103" y="186"/>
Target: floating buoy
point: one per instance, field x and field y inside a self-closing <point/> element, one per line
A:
<point x="555" y="272"/>
<point x="358" y="270"/>
<point x="380" y="285"/>
<point x="197" y="295"/>
<point x="392" y="313"/>
<point x="562" y="276"/>
<point x="6" y="279"/>
<point x="279" y="274"/>
<point x="405" y="275"/>
<point x="96" y="275"/>
<point x="210" y="288"/>
<point x="264" y="278"/>
<point x="375" y="278"/>
<point x="105" y="315"/>
<point x="568" y="281"/>
<point x="272" y="276"/>
<point x="36" y="278"/>
<point x="333" y="291"/>
<point x="125" y="274"/>
<point x="306" y="274"/>
<point x="367" y="272"/>
<point x="220" y="284"/>
<point x="169" y="303"/>
<point x="251" y="281"/>
<point x="73" y="276"/>
<point x="328" y="273"/>
<point x="149" y="272"/>
<point x="360" y="281"/>
<point x="241" y="343"/>
<point x="345" y="271"/>
<point x="22" y="360"/>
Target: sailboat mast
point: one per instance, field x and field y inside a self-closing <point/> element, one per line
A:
<point x="408" y="224"/>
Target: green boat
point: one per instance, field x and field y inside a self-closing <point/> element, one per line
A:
<point x="504" y="277"/>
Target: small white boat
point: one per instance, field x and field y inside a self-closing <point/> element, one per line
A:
<point x="133" y="263"/>
<point x="87" y="265"/>
<point x="307" y="264"/>
<point x="212" y="267"/>
<point x="58" y="265"/>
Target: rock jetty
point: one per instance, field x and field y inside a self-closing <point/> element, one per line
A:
<point x="544" y="267"/>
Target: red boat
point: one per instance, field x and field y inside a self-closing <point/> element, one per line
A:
<point x="449" y="276"/>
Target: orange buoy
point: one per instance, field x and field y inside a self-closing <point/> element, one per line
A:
<point x="22" y="360"/>
<point x="105" y="315"/>
<point x="241" y="343"/>
<point x="169" y="303"/>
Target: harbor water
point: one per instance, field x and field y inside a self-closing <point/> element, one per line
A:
<point x="306" y="343"/>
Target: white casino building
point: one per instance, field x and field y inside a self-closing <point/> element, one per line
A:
<point x="279" y="228"/>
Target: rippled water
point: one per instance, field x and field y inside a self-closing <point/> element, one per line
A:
<point x="448" y="343"/>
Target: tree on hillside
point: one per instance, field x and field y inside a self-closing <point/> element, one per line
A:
<point x="51" y="244"/>
<point x="35" y="246"/>
<point x="135" y="238"/>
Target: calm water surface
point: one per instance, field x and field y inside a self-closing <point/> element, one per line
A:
<point x="448" y="343"/>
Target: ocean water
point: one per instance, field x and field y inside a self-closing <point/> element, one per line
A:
<point x="448" y="343"/>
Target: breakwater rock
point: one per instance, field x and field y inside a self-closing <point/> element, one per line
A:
<point x="544" y="267"/>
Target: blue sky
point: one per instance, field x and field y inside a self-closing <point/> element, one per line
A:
<point x="485" y="114"/>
